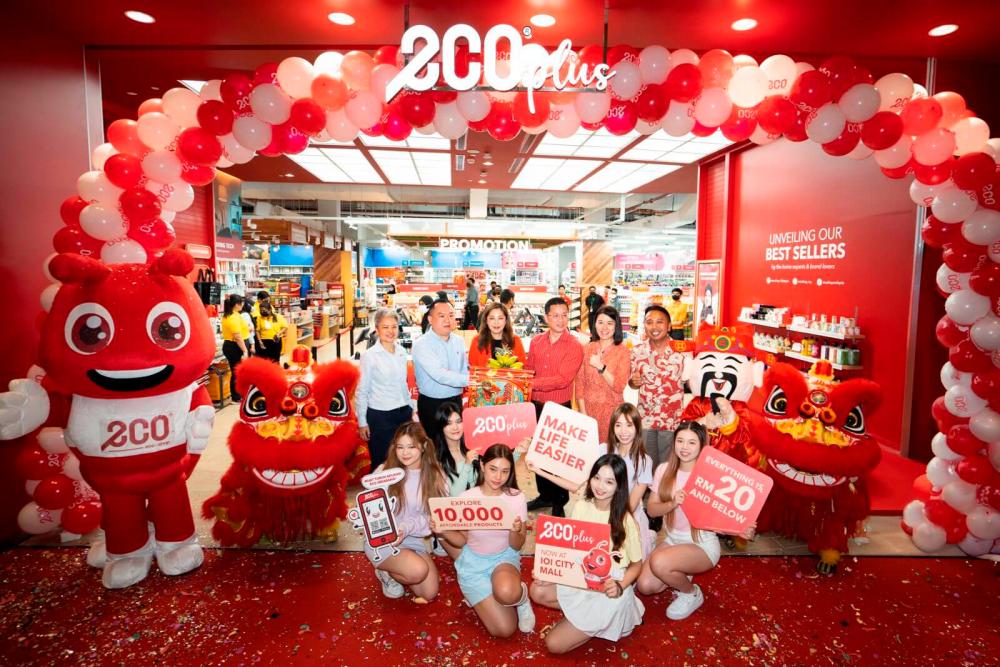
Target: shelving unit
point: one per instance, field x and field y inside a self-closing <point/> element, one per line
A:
<point x="762" y="323"/>
<point x="835" y="365"/>
<point x="823" y="334"/>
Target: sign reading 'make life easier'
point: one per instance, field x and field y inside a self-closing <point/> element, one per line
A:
<point x="565" y="443"/>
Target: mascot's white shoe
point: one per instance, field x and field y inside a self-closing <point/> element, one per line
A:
<point x="97" y="554"/>
<point x="175" y="558"/>
<point x="121" y="571"/>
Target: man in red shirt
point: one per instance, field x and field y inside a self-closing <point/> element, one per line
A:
<point x="555" y="357"/>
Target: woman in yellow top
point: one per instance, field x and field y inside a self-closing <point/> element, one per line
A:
<point x="270" y="329"/>
<point x="235" y="333"/>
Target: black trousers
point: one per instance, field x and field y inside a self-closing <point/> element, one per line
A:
<point x="546" y="489"/>
<point x="270" y="349"/>
<point x="427" y="408"/>
<point x="382" y="425"/>
<point x="234" y="355"/>
<point x="471" y="316"/>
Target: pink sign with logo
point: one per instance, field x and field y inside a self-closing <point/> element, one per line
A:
<point x="507" y="424"/>
<point x="724" y="495"/>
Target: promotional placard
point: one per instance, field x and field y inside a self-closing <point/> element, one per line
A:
<point x="507" y="424"/>
<point x="723" y="494"/>
<point x="564" y="443"/>
<point x="375" y="509"/>
<point x="468" y="513"/>
<point x="573" y="553"/>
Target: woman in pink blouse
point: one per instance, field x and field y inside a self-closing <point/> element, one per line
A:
<point x="601" y="380"/>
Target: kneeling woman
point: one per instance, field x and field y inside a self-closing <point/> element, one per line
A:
<point x="686" y="551"/>
<point x="614" y="612"/>
<point x="489" y="566"/>
<point x="412" y="451"/>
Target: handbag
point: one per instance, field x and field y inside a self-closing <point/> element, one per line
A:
<point x="207" y="287"/>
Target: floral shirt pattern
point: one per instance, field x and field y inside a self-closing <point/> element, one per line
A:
<point x="661" y="392"/>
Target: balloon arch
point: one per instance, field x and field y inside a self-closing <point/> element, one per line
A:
<point x="143" y="176"/>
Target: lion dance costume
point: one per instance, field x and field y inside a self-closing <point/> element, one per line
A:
<point x="295" y="450"/>
<point x="813" y="438"/>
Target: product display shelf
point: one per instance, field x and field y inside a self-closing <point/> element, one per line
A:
<point x="835" y="365"/>
<point x="765" y="348"/>
<point x="762" y="323"/>
<point x="823" y="334"/>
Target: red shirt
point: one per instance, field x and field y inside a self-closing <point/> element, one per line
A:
<point x="555" y="365"/>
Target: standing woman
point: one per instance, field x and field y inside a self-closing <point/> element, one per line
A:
<point x="600" y="383"/>
<point x="495" y="333"/>
<point x="270" y="330"/>
<point x="382" y="400"/>
<point x="235" y="334"/>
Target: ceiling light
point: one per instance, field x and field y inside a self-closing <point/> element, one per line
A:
<point x="154" y="87"/>
<point x="340" y="18"/>
<point x="482" y="180"/>
<point x="131" y="92"/>
<point x="289" y="175"/>
<point x="744" y="24"/>
<point x="543" y="20"/>
<point x="488" y="160"/>
<point x="942" y="30"/>
<point x="139" y="17"/>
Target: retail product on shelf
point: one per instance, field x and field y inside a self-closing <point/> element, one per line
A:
<point x="771" y="343"/>
<point x="764" y="315"/>
<point x="812" y="335"/>
<point x="832" y="326"/>
<point x="836" y="353"/>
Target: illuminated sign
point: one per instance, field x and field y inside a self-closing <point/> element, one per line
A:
<point x="484" y="244"/>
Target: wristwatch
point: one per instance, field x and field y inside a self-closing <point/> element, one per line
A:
<point x="603" y="368"/>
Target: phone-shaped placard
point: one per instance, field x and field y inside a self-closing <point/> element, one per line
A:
<point x="379" y="524"/>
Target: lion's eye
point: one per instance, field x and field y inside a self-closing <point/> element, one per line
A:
<point x="776" y="403"/>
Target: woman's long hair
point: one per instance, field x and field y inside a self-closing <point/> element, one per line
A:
<point x="619" y="501"/>
<point x="498" y="451"/>
<point x="431" y="477"/>
<point x="484" y="338"/>
<point x="638" y="451"/>
<point x="441" y="417"/>
<point x="666" y="489"/>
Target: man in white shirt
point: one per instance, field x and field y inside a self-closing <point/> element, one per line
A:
<point x="440" y="364"/>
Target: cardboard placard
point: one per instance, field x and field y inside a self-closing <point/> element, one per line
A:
<point x="574" y="553"/>
<point x="724" y="495"/>
<point x="507" y="424"/>
<point x="471" y="513"/>
<point x="564" y="443"/>
<point x="375" y="509"/>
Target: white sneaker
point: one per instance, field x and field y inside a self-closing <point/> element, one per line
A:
<point x="685" y="604"/>
<point x="391" y="588"/>
<point x="525" y="616"/>
<point x="124" y="570"/>
<point x="438" y="548"/>
<point x="175" y="558"/>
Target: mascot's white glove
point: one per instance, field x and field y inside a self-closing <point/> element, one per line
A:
<point x="22" y="409"/>
<point x="199" y="428"/>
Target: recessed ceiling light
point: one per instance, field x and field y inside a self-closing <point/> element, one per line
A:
<point x="289" y="175"/>
<point x="482" y="180"/>
<point x="744" y="24"/>
<point x="340" y="18"/>
<point x="543" y="20"/>
<point x="131" y="92"/>
<point x="139" y="17"/>
<point x="942" y="30"/>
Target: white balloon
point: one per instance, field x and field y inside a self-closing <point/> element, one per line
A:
<point x="971" y="134"/>
<point x="982" y="227"/>
<point x="748" y="87"/>
<point x="860" y="152"/>
<point x="157" y="130"/>
<point x="36" y="520"/>
<point x="252" y="133"/>
<point x="743" y="60"/>
<point x="923" y="194"/>
<point x="162" y="166"/>
<point x="224" y="162"/>
<point x="48" y="295"/>
<point x="896" y="155"/>
<point x="71" y="467"/>
<point x="940" y="472"/>
<point x="234" y="151"/>
<point x="682" y="57"/>
<point x="985" y="333"/>
<point x="270" y="104"/>
<point x="895" y="90"/>
<point x="123" y="251"/>
<point x="563" y="121"/>
<point x="211" y="90"/>
<point x="826" y="124"/>
<point x="654" y="64"/>
<point x="295" y="76"/>
<point x="965" y="306"/>
<point x="985" y="425"/>
<point x="627" y="81"/>
<point x="52" y="440"/>
<point x="954" y="205"/>
<point x="644" y="128"/>
<point x="802" y="67"/>
<point x="449" y="121"/>
<point x="168" y="216"/>
<point x="859" y="103"/>
<point x="929" y="537"/>
<point x="181" y="104"/>
<point x="712" y="107"/>
<point x="592" y="107"/>
<point x="963" y="402"/>
<point x="45" y="266"/>
<point x="983" y="522"/>
<point x="30" y="485"/>
<point x="102" y="222"/>
<point x="913" y="513"/>
<point x="951" y="377"/>
<point x="939" y="445"/>
<point x="975" y="547"/>
<point x="919" y="92"/>
<point x="101" y="155"/>
<point x="679" y="118"/>
<point x="960" y="495"/>
<point x="94" y="186"/>
<point x="781" y="74"/>
<point x="328" y="63"/>
<point x="474" y="105"/>
<point x="949" y="280"/>
<point x="172" y="196"/>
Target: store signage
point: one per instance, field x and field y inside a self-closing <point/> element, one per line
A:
<point x="470" y="513"/>
<point x="724" y="495"/>
<point x="527" y="265"/>
<point x="474" y="265"/>
<point x="813" y="256"/>
<point x="505" y="424"/>
<point x="484" y="244"/>
<point x="199" y="251"/>
<point x="564" y="443"/>
<point x="529" y="66"/>
<point x="414" y="263"/>
<point x="573" y="553"/>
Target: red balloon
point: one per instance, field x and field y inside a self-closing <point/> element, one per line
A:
<point x="621" y="117"/>
<point x="394" y="126"/>
<point x="150" y="105"/>
<point x="942" y="514"/>
<point x="961" y="441"/>
<point x="989" y="495"/>
<point x="139" y="205"/>
<point x="123" y="134"/>
<point x="881" y="130"/>
<point x="985" y="279"/>
<point x="776" y="115"/>
<point x="974" y="469"/>
<point x="797" y="132"/>
<point x="923" y="488"/>
<point x="235" y="91"/>
<point x="290" y="140"/>
<point x="54" y="492"/>
<point x="843" y="73"/>
<point x="622" y="52"/>
<point x="971" y="171"/>
<point x="72" y="239"/>
<point x="700" y="130"/>
<point x="266" y="73"/>
<point x="418" y="109"/>
<point x="444" y="96"/>
<point x="920" y="115"/>
<point x="987" y="386"/>
<point x="683" y="83"/>
<point x="593" y="127"/>
<point x="386" y="55"/>
<point x="811" y="89"/>
<point x="525" y="116"/>
<point x="845" y="143"/>
<point x="740" y="124"/>
<point x="153" y="234"/>
<point x="948" y="333"/>
<point x="123" y="170"/>
<point x="932" y="174"/>
<point x="197" y="174"/>
<point x="651" y="103"/>
<point x="500" y="122"/>
<point x="962" y="256"/>
<point x="968" y="358"/>
<point x="308" y="117"/>
<point x="198" y="146"/>
<point x="898" y="173"/>
<point x="82" y="518"/>
<point x="35" y="463"/>
<point x="592" y="54"/>
<point x="945" y="419"/>
<point x="70" y="209"/>
<point x="989" y="194"/>
<point x="216" y="117"/>
<point x="373" y="131"/>
<point x="936" y="233"/>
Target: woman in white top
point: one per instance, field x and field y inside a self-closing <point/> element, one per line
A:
<point x="382" y="401"/>
<point x="625" y="439"/>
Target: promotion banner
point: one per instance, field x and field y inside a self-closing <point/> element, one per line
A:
<point x="707" y="287"/>
<point x="573" y="553"/>
<point x="505" y="424"/>
<point x="565" y="443"/>
<point x="465" y="513"/>
<point x="724" y="495"/>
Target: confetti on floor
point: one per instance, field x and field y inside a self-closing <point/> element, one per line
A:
<point x="269" y="607"/>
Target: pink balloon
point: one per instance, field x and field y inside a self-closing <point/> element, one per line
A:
<point x="449" y="121"/>
<point x="934" y="147"/>
<point x="654" y="64"/>
<point x="356" y="70"/>
<point x="592" y="107"/>
<point x="364" y="109"/>
<point x="339" y="127"/>
<point x="37" y="520"/>
<point x="381" y="76"/>
<point x="679" y="118"/>
<point x="712" y="108"/>
<point x="897" y="155"/>
<point x="627" y="81"/>
<point x="563" y="121"/>
<point x="474" y="105"/>
<point x="971" y="135"/>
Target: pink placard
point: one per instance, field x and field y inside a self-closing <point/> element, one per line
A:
<point x="507" y="424"/>
<point x="564" y="443"/>
<point x="573" y="553"/>
<point x="470" y="513"/>
<point x="724" y="495"/>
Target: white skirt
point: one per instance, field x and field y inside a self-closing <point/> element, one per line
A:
<point x="707" y="542"/>
<point x="594" y="613"/>
<point x="646" y="536"/>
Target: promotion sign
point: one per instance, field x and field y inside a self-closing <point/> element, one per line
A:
<point x="565" y="443"/>
<point x="724" y="495"/>
<point x="573" y="553"/>
<point x="505" y="424"/>
<point x="470" y="513"/>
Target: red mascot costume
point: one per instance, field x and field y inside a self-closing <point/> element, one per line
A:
<point x="295" y="449"/>
<point x="819" y="455"/>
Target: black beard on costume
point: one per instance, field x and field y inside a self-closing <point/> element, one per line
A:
<point x="709" y="377"/>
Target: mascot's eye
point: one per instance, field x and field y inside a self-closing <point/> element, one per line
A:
<point x="338" y="405"/>
<point x="89" y="328"/>
<point x="855" y="422"/>
<point x="168" y="325"/>
<point x="254" y="405"/>
<point x="776" y="403"/>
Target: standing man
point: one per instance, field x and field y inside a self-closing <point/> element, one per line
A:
<point x="678" y="314"/>
<point x="471" y="317"/>
<point x="657" y="373"/>
<point x="555" y="357"/>
<point x="615" y="300"/>
<point x="565" y="297"/>
<point x="593" y="302"/>
<point x="507" y="300"/>
<point x="440" y="365"/>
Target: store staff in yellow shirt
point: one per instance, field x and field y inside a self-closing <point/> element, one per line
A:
<point x="262" y="297"/>
<point x="678" y="314"/>
<point x="271" y="330"/>
<point x="235" y="333"/>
